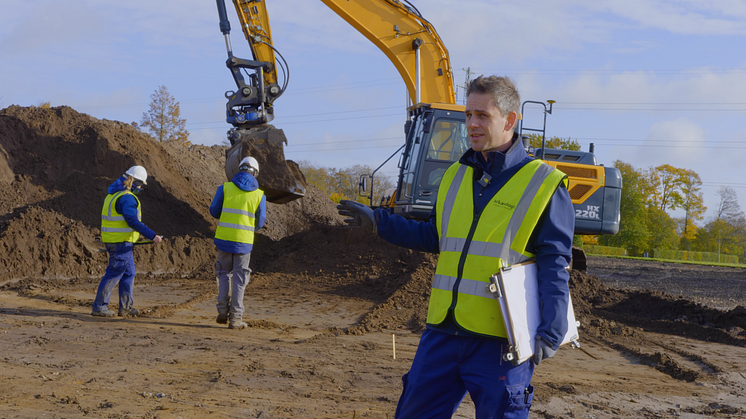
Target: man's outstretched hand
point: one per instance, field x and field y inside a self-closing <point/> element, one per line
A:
<point x="360" y="214"/>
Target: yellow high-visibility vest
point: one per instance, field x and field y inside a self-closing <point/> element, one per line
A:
<point x="114" y="229"/>
<point x="473" y="249"/>
<point x="237" y="221"/>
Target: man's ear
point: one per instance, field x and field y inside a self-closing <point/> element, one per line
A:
<point x="512" y="120"/>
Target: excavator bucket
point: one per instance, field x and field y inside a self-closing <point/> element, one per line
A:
<point x="280" y="179"/>
<point x="579" y="261"/>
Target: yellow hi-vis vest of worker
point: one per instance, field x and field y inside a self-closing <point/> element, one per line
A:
<point x="114" y="229"/>
<point x="237" y="221"/>
<point x="474" y="248"/>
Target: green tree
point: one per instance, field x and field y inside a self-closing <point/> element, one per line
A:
<point x="692" y="202"/>
<point x="163" y="119"/>
<point x="554" y="142"/>
<point x="661" y="229"/>
<point x="666" y="182"/>
<point x="317" y="176"/>
<point x="344" y="183"/>
<point x="728" y="229"/>
<point x="720" y="235"/>
<point x="633" y="232"/>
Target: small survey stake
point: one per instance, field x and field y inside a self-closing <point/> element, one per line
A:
<point x="517" y="291"/>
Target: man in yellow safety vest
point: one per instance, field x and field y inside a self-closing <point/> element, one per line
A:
<point x="241" y="208"/>
<point x="121" y="227"/>
<point x="496" y="206"/>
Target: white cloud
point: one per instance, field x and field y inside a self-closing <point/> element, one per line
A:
<point x="700" y="17"/>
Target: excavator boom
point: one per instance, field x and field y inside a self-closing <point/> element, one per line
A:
<point x="409" y="41"/>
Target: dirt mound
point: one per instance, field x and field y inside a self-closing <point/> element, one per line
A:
<point x="55" y="167"/>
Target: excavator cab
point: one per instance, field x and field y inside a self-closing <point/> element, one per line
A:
<point x="595" y="190"/>
<point x="436" y="137"/>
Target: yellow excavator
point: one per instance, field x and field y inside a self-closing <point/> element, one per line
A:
<point x="435" y="128"/>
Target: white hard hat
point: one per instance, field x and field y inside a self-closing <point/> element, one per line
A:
<point x="249" y="162"/>
<point x="139" y="173"/>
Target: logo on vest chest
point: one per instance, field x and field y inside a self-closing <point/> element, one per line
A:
<point x="503" y="204"/>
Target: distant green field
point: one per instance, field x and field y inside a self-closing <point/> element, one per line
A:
<point x="688" y="262"/>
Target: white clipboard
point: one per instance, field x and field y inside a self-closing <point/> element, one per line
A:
<point x="516" y="288"/>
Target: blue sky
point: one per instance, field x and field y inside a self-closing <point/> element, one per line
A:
<point x="648" y="82"/>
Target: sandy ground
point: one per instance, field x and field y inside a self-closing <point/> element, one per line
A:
<point x="299" y="358"/>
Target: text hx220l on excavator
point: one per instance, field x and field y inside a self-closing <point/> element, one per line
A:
<point x="435" y="128"/>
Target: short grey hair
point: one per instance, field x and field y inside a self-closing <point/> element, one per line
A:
<point x="502" y="90"/>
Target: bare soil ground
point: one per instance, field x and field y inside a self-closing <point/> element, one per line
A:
<point x="334" y="313"/>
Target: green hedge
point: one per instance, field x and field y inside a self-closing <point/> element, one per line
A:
<point x="604" y="250"/>
<point x="693" y="256"/>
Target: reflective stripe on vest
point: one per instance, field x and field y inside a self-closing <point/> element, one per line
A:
<point x="114" y="228"/>
<point x="237" y="220"/>
<point x="475" y="246"/>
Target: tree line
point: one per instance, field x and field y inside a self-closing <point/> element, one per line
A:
<point x="648" y="195"/>
<point x="344" y="183"/>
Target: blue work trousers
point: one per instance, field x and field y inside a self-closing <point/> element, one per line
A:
<point x="121" y="270"/>
<point x="446" y="366"/>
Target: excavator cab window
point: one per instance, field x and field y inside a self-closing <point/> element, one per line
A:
<point x="411" y="156"/>
<point x="447" y="144"/>
<point x="434" y="144"/>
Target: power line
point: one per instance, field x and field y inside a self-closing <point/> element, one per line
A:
<point x="579" y="108"/>
<point x="632" y="72"/>
<point x="314" y="89"/>
<point x="344" y="149"/>
<point x="351" y="141"/>
<point x="283" y="122"/>
<point x="653" y="103"/>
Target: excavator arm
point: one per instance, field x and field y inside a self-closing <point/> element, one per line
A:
<point x="409" y="41"/>
<point x="250" y="106"/>
<point x="251" y="103"/>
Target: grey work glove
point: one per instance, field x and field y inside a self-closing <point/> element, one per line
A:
<point x="542" y="350"/>
<point x="361" y="215"/>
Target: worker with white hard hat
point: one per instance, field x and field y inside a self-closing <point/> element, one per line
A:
<point x="241" y="208"/>
<point x="121" y="227"/>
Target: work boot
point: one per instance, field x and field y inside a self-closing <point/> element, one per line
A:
<point x="222" y="318"/>
<point x="104" y="312"/>
<point x="236" y="323"/>
<point x="123" y="312"/>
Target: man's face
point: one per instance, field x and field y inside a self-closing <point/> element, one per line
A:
<point x="488" y="128"/>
